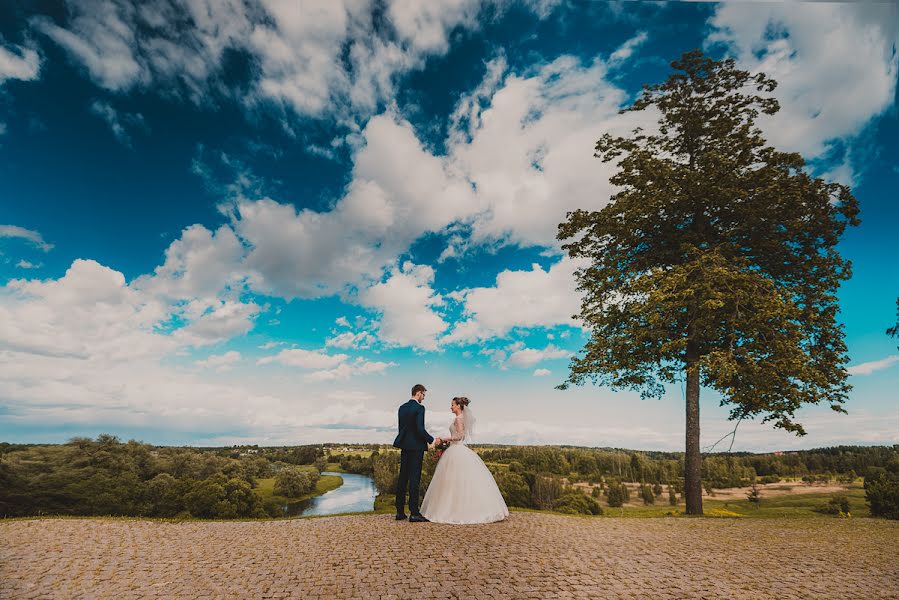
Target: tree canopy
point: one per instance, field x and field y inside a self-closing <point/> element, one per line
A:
<point x="716" y="257"/>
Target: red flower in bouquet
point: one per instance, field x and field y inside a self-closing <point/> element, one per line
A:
<point x="441" y="447"/>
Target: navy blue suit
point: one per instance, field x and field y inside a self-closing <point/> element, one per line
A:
<point x="412" y="440"/>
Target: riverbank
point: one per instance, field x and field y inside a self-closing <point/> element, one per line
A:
<point x="265" y="488"/>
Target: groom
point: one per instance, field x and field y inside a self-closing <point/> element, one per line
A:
<point x="413" y="440"/>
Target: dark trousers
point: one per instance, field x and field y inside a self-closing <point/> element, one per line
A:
<point x="410" y="477"/>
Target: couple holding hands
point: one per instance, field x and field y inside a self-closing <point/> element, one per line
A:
<point x="462" y="490"/>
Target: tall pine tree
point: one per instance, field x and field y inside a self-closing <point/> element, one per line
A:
<point x="715" y="261"/>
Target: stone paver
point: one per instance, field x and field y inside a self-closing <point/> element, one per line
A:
<point x="530" y="555"/>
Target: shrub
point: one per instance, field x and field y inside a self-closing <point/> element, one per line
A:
<point x="672" y="495"/>
<point x="882" y="491"/>
<point x="657" y="489"/>
<point x="576" y="503"/>
<point x="513" y="487"/>
<point x="428" y="466"/>
<point x="545" y="492"/>
<point x="386" y="470"/>
<point x="295" y="482"/>
<point x="646" y="494"/>
<point x="352" y="463"/>
<point x="273" y="508"/>
<point x="849" y="477"/>
<point x="204" y="497"/>
<point x="617" y="494"/>
<point x="165" y="495"/>
<point x="836" y="505"/>
<point x="769" y="479"/>
<point x="754" y="496"/>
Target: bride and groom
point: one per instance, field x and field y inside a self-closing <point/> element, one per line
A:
<point x="462" y="490"/>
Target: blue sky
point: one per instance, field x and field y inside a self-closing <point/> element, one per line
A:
<point x="264" y="224"/>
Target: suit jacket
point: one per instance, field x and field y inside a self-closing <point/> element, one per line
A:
<point x="412" y="434"/>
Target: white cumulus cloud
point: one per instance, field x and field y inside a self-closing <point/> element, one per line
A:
<point x="349" y="369"/>
<point x="835" y="64"/>
<point x="349" y="339"/>
<point x="534" y="298"/>
<point x="406" y="303"/>
<point x="528" y="357"/>
<point x="305" y="359"/>
<point x="220" y="362"/>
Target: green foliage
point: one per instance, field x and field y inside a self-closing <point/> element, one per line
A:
<point x="321" y="464"/>
<point x="303" y="455"/>
<point x="165" y="495"/>
<point x="726" y="471"/>
<point x="672" y="495"/>
<point x="108" y="477"/>
<point x="647" y="495"/>
<point x="513" y="487"/>
<point x="574" y="502"/>
<point x="882" y="490"/>
<point x="258" y="467"/>
<point x="745" y="253"/>
<point x="428" y="465"/>
<point x="617" y="494"/>
<point x="838" y="504"/>
<point x="293" y="483"/>
<point x="223" y="498"/>
<point x="754" y="496"/>
<point x="715" y="261"/>
<point x="386" y="471"/>
<point x="352" y="463"/>
<point x="545" y="491"/>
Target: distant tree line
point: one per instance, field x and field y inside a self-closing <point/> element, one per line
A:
<point x="720" y="470"/>
<point x="108" y="477"/>
<point x="541" y="477"/>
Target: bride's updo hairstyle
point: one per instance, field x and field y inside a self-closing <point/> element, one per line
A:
<point x="461" y="401"/>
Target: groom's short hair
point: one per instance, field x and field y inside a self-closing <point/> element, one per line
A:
<point x="418" y="388"/>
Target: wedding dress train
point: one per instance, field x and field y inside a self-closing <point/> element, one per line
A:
<point x="462" y="490"/>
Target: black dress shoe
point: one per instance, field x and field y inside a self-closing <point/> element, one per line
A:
<point x="418" y="519"/>
<point x="401" y="517"/>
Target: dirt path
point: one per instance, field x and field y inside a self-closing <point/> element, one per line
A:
<point x="530" y="555"/>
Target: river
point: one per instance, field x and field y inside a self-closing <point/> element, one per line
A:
<point x="357" y="494"/>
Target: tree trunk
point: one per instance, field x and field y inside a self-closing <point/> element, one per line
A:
<point x="692" y="458"/>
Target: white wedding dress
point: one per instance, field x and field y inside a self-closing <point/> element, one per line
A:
<point x="463" y="490"/>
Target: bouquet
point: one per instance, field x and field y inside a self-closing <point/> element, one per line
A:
<point x="441" y="447"/>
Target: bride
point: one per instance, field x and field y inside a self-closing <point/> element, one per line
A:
<point x="462" y="490"/>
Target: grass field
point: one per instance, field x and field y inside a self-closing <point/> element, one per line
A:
<point x="266" y="488"/>
<point x="795" y="505"/>
<point x="362" y="453"/>
<point x="776" y="507"/>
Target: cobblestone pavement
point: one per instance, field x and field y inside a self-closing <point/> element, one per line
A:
<point x="530" y="555"/>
